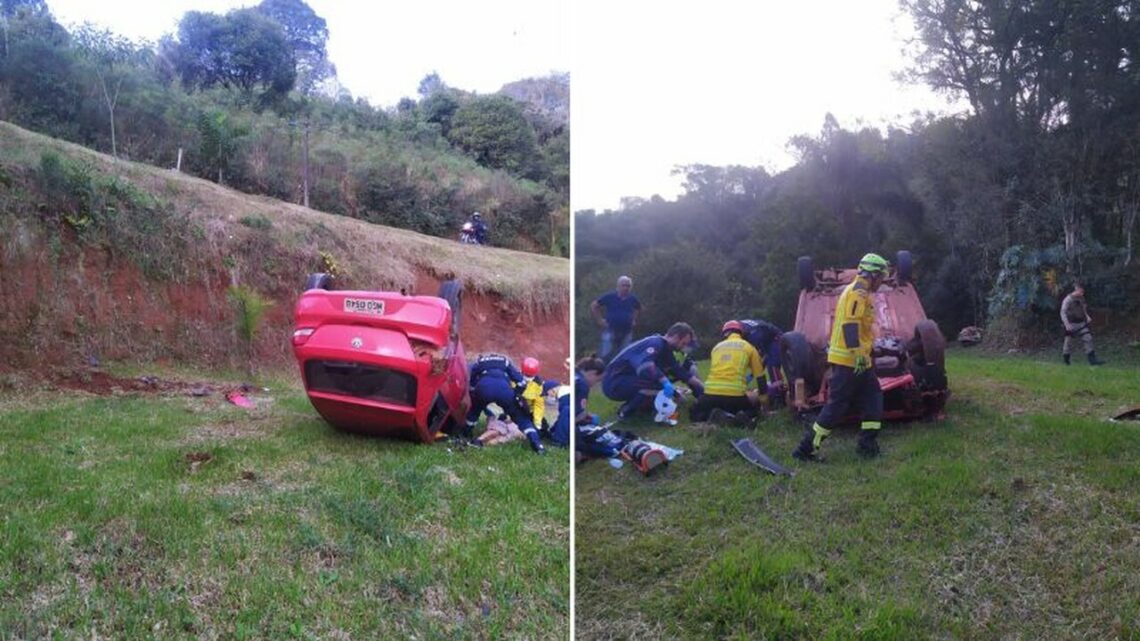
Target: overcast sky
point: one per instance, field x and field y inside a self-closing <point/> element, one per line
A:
<point x="659" y="84"/>
<point x="383" y="49"/>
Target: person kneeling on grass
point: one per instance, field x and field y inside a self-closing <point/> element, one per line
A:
<point x="495" y="379"/>
<point x="592" y="440"/>
<point x="645" y="368"/>
<point x="765" y="337"/>
<point x="727" y="397"/>
<point x="557" y="397"/>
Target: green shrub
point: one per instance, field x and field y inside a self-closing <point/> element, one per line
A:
<point x="257" y="221"/>
<point x="249" y="311"/>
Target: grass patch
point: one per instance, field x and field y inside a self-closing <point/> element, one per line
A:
<point x="138" y="516"/>
<point x="1014" y="518"/>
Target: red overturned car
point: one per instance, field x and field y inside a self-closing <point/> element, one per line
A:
<point x="908" y="354"/>
<point x="383" y="363"/>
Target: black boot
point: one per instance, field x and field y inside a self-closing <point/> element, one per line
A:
<point x="868" y="446"/>
<point x="1093" y="360"/>
<point x="808" y="449"/>
<point x="1068" y="359"/>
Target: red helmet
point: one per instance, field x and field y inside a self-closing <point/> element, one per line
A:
<point x="732" y="326"/>
<point x="530" y="366"/>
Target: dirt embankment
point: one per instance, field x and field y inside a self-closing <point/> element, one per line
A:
<point x="91" y="311"/>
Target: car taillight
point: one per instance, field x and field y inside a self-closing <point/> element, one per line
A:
<point x="431" y="354"/>
<point x="302" y="335"/>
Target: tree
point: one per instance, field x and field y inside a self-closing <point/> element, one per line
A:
<point x="219" y="140"/>
<point x="431" y="84"/>
<point x="242" y="49"/>
<point x="307" y="35"/>
<point x="1053" y="84"/>
<point x="109" y="55"/>
<point x="39" y="75"/>
<point x="493" y="131"/>
<point x="439" y="108"/>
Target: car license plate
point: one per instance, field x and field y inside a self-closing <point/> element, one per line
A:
<point x="360" y="306"/>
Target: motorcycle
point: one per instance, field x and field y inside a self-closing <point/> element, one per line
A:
<point x="467" y="234"/>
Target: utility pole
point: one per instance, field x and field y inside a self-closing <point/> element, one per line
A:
<point x="305" y="165"/>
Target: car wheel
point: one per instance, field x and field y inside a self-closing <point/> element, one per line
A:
<point x="319" y="281"/>
<point x="806" y="273"/>
<point x="452" y="292"/>
<point x="798" y="362"/>
<point x="928" y="377"/>
<point x="904" y="265"/>
<point x="933" y="343"/>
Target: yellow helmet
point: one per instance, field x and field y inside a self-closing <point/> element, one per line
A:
<point x="873" y="263"/>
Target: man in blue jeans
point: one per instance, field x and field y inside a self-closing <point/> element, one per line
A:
<point x="621" y="309"/>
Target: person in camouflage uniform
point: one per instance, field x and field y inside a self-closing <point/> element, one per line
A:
<point x="1076" y="319"/>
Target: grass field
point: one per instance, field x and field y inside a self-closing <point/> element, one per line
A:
<point x="170" y="516"/>
<point x="1016" y="518"/>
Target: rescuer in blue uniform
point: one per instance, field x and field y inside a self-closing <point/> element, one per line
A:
<point x="644" y="368"/>
<point x="495" y="379"/>
<point x="591" y="439"/>
<point x="765" y="337"/>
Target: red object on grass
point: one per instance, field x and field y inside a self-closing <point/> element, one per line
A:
<point x="382" y="363"/>
<point x="238" y="399"/>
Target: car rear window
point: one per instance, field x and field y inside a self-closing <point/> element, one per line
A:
<point x="362" y="381"/>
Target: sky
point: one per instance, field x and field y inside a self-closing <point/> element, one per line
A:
<point x="656" y="85"/>
<point x="383" y="50"/>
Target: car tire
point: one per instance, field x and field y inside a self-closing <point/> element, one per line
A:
<point x="926" y="332"/>
<point x="452" y="292"/>
<point x="928" y="377"/>
<point x="904" y="266"/>
<point x="806" y="273"/>
<point x="319" y="281"/>
<point x="798" y="362"/>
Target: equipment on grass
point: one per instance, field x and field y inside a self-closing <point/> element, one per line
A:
<point x="666" y="408"/>
<point x="644" y="455"/>
<point x="750" y="451"/>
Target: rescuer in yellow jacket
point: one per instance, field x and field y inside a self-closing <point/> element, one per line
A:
<point x="531" y="390"/>
<point x="853" y="382"/>
<point x="726" y="388"/>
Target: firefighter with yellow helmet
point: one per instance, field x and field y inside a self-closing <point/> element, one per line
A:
<point x="853" y="384"/>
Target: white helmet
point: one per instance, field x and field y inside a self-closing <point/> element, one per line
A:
<point x="665" y="407"/>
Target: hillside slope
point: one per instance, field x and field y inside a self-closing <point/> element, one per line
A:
<point x="118" y="260"/>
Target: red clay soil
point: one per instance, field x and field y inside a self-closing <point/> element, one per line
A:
<point x="490" y="325"/>
<point x="76" y="309"/>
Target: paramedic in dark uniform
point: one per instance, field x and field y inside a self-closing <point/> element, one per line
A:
<point x="495" y="379"/>
<point x="644" y="368"/>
